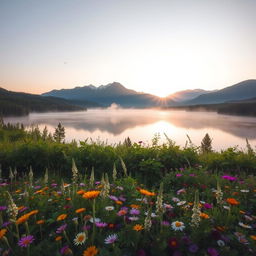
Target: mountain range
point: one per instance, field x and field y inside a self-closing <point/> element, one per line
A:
<point x="105" y="95"/>
<point x="240" y="98"/>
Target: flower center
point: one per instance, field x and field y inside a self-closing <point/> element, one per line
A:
<point x="178" y="224"/>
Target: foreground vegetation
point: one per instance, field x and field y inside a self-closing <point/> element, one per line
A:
<point x="193" y="212"/>
<point x="128" y="199"/>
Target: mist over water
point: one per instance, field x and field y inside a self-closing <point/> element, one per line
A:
<point x="114" y="124"/>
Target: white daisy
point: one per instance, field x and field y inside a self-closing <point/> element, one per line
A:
<point x="221" y="243"/>
<point x="109" y="208"/>
<point x="80" y="238"/>
<point x="181" y="203"/>
<point x="178" y="225"/>
<point x="241" y="224"/>
<point x="96" y="220"/>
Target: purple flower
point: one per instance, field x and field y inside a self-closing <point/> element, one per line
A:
<point x="101" y="224"/>
<point x="111" y="239"/>
<point x="23" y="209"/>
<point x="65" y="250"/>
<point x="54" y="185"/>
<point x="3" y="208"/>
<point x="228" y="177"/>
<point x="134" y="211"/>
<point x="113" y="198"/>
<point x="193" y="248"/>
<point x="5" y="224"/>
<point x="26" y="241"/>
<point x="61" y="228"/>
<point x="165" y="223"/>
<point x="179" y="174"/>
<point x="207" y="206"/>
<point x="212" y="252"/>
<point x="121" y="198"/>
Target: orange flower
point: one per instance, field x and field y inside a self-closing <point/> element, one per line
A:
<point x="118" y="202"/>
<point x="253" y="237"/>
<point x="232" y="201"/>
<point x="40" y="222"/>
<point x="33" y="212"/>
<point x="58" y="238"/>
<point x="68" y="198"/>
<point x="135" y="206"/>
<point x="39" y="191"/>
<point x="204" y="215"/>
<point x="2" y="232"/>
<point x="22" y="219"/>
<point x="91" y="251"/>
<point x="62" y="217"/>
<point x="137" y="227"/>
<point x="91" y="194"/>
<point x="80" y="192"/>
<point x="221" y="228"/>
<point x="80" y="210"/>
<point x="146" y="192"/>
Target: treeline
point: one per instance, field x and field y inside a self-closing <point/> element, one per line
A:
<point x="17" y="104"/>
<point x="242" y="108"/>
<point x="21" y="149"/>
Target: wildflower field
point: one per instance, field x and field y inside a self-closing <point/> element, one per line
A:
<point x="191" y="212"/>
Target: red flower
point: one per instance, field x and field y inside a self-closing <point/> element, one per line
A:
<point x="173" y="243"/>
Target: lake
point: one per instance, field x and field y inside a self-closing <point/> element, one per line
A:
<point x="113" y="125"/>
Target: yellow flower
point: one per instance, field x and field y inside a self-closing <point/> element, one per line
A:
<point x="62" y="217"/>
<point x="80" y="210"/>
<point x="137" y="227"/>
<point x="91" y="194"/>
<point x="2" y="232"/>
<point x="91" y="251"/>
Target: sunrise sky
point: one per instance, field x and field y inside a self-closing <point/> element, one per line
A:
<point x="157" y="46"/>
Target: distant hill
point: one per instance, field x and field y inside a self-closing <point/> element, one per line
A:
<point x="243" y="90"/>
<point x="16" y="103"/>
<point x="185" y="95"/>
<point x="242" y="108"/>
<point x="107" y="94"/>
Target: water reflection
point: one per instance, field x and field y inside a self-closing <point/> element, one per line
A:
<point x="116" y="124"/>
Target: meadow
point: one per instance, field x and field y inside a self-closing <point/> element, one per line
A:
<point x="132" y="199"/>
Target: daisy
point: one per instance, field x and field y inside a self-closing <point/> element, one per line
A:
<point x="134" y="218"/>
<point x="96" y="220"/>
<point x="241" y="224"/>
<point x="178" y="225"/>
<point x="181" y="203"/>
<point x="109" y="208"/>
<point x="26" y="241"/>
<point x="111" y="239"/>
<point x="80" y="238"/>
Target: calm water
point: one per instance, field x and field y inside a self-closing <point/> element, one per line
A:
<point x="114" y="125"/>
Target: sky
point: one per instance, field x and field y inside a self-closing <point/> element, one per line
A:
<point x="157" y="47"/>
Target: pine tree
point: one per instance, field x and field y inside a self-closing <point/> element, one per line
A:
<point x="59" y="134"/>
<point x="206" y="144"/>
